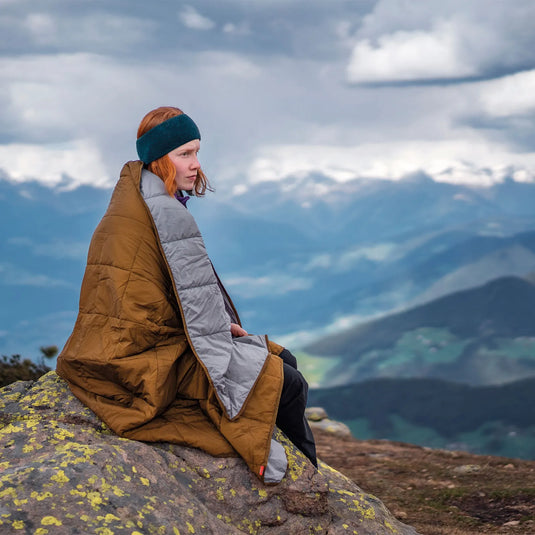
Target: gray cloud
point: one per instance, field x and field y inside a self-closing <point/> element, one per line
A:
<point x="133" y="27"/>
<point x="191" y="18"/>
<point x="47" y="29"/>
<point x="267" y="83"/>
<point x="403" y="41"/>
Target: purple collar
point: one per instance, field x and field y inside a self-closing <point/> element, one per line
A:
<point x="179" y="197"/>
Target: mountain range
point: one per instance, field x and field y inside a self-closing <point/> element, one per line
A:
<point x="365" y="248"/>
<point x="301" y="258"/>
<point x="494" y="420"/>
<point x="484" y="335"/>
<point x="409" y="303"/>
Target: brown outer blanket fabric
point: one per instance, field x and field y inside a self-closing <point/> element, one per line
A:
<point x="129" y="358"/>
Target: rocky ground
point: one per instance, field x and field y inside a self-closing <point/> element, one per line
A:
<point x="63" y="472"/>
<point x="436" y="491"/>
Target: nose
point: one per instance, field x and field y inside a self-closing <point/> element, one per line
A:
<point x="195" y="163"/>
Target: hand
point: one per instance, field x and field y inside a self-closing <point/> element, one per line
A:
<point x="236" y="330"/>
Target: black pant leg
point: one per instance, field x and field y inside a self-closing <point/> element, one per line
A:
<point x="288" y="358"/>
<point x="291" y="415"/>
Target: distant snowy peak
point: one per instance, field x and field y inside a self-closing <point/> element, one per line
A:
<point x="307" y="189"/>
<point x="317" y="186"/>
<point x="475" y="163"/>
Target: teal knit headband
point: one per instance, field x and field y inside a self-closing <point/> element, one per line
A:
<point x="165" y="137"/>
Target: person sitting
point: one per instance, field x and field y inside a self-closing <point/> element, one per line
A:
<point x="158" y="351"/>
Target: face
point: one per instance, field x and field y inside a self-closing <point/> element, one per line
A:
<point x="184" y="158"/>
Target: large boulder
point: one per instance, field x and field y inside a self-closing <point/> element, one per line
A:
<point x="62" y="471"/>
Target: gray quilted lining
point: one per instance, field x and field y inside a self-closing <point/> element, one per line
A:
<point x="232" y="363"/>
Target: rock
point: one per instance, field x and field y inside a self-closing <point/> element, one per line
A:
<point x="318" y="419"/>
<point x="315" y="414"/>
<point x="467" y="469"/>
<point x="332" y="426"/>
<point x="62" y="471"/>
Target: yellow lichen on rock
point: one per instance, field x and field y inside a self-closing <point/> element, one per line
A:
<point x="366" y="511"/>
<point x="60" y="478"/>
<point x="95" y="499"/>
<point x="18" y="524"/>
<point x="40" y="496"/>
<point x="50" y="521"/>
<point x="65" y="471"/>
<point x="391" y="527"/>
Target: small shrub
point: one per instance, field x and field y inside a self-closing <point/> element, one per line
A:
<point x="15" y="368"/>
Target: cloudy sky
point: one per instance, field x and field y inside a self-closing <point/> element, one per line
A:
<point x="361" y="88"/>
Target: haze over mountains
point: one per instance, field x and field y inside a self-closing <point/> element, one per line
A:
<point x="401" y="289"/>
<point x="481" y="336"/>
<point x="367" y="247"/>
<point x="301" y="258"/>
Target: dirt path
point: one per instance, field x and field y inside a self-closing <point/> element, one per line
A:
<point x="436" y="491"/>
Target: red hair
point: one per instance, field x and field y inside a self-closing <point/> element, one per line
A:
<point x="163" y="167"/>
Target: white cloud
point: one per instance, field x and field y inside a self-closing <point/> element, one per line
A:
<point x="473" y="160"/>
<point x="69" y="164"/>
<point x="401" y="40"/>
<point x="86" y="108"/>
<point x="272" y="114"/>
<point x="510" y="95"/>
<point x="237" y="29"/>
<point x="347" y="260"/>
<point x="64" y="95"/>
<point x="320" y="261"/>
<point x="55" y="248"/>
<point x="379" y="252"/>
<point x="272" y="284"/>
<point x="42" y="27"/>
<point x="415" y="55"/>
<point x="68" y="97"/>
<point x="299" y="339"/>
<point x="191" y="18"/>
<point x="12" y="275"/>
